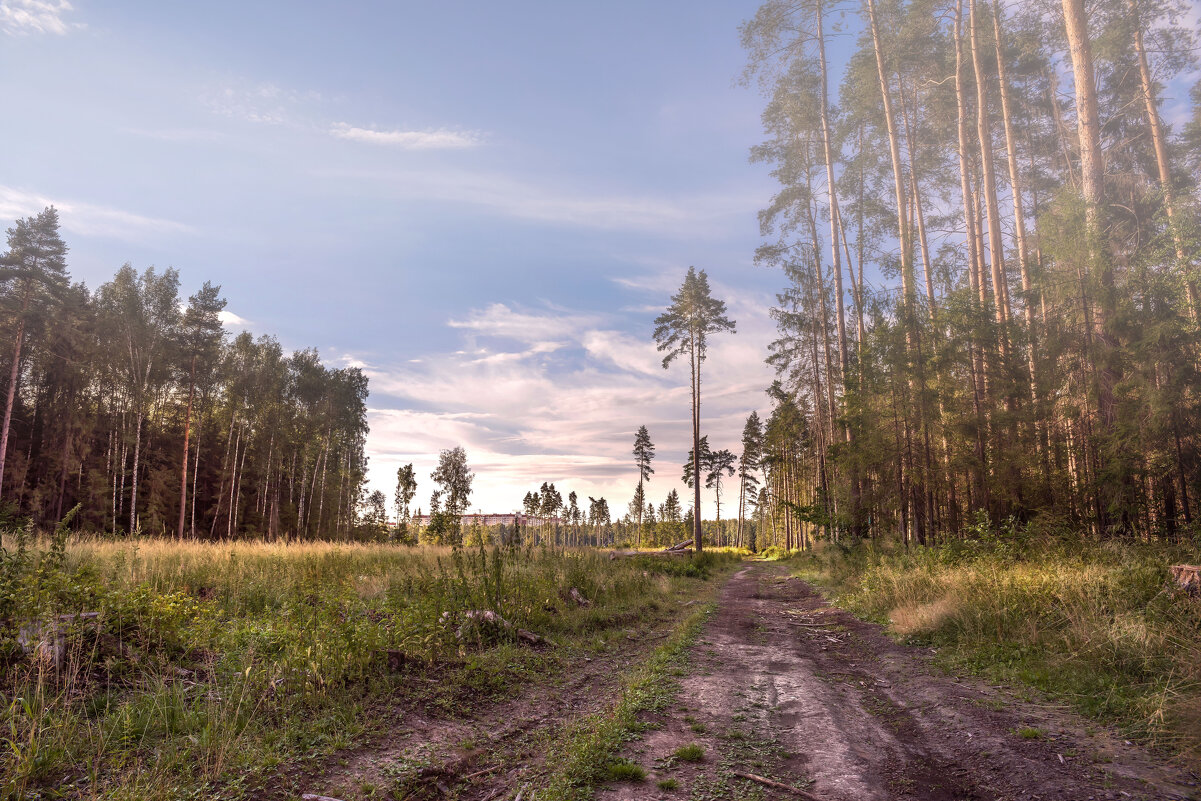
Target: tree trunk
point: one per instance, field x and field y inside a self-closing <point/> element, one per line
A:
<point x="996" y="250"/>
<point x="695" y="363"/>
<point x="13" y="373"/>
<point x="137" y="455"/>
<point x="1159" y="142"/>
<point x="187" y="430"/>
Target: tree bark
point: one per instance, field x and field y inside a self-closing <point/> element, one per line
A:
<point x="13" y="373"/>
<point x="1162" y="165"/>
<point x="187" y="430"/>
<point x="996" y="248"/>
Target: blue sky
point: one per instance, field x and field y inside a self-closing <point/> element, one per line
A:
<point x="484" y="205"/>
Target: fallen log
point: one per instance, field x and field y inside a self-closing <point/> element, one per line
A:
<point x="579" y="598"/>
<point x="624" y="554"/>
<point x="1187" y="578"/>
<point x="315" y="797"/>
<point x="777" y="785"/>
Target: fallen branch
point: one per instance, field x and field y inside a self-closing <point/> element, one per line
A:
<point x="777" y="785"/>
<point x="315" y="797"/>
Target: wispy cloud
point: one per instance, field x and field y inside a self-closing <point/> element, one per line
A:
<point x="264" y="103"/>
<point x="696" y="215"/>
<point x="25" y="17"/>
<point x="89" y="219"/>
<point x="175" y="134"/>
<point x="440" y="139"/>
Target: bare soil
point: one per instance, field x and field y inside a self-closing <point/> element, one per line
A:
<point x="789" y="688"/>
<point x="783" y="686"/>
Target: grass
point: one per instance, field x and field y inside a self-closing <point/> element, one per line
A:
<point x="578" y="763"/>
<point x="690" y="753"/>
<point x="1095" y="625"/>
<point x="212" y="665"/>
<point x="667" y="784"/>
<point x="623" y="770"/>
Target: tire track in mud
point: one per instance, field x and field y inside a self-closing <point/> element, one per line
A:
<point x="786" y="687"/>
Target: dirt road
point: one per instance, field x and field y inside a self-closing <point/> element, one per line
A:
<point x="788" y="688"/>
<point x="781" y="686"/>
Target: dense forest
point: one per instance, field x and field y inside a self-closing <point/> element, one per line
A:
<point x="137" y="406"/>
<point x="991" y="244"/>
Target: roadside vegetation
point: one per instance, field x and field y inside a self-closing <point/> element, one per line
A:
<point x="1097" y="625"/>
<point x="207" y="666"/>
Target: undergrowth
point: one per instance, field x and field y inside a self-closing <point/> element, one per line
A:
<point x="207" y="666"/>
<point x="1095" y="624"/>
<point x="585" y="756"/>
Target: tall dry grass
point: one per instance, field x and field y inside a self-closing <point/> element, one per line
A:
<point x="1098" y="625"/>
<point x="211" y="663"/>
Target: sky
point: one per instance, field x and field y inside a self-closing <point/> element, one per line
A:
<point x="482" y="205"/>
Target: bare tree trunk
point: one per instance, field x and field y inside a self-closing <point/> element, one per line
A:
<point x="1159" y="142"/>
<point x="238" y="494"/>
<point x="321" y="494"/>
<point x="894" y="150"/>
<point x="13" y="373"/>
<point x="1092" y="171"/>
<point x="187" y="429"/>
<point x="996" y="248"/>
<point x="916" y="201"/>
<point x="696" y="444"/>
<point x="137" y="453"/>
<point x="195" y="478"/>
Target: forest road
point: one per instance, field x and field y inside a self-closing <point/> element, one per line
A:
<point x="785" y="687"/>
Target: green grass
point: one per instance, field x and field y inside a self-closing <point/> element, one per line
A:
<point x="1094" y="625"/>
<point x="1030" y="733"/>
<point x="690" y="753"/>
<point x="212" y="665"/>
<point x="577" y="764"/>
<point x="623" y="770"/>
<point x="667" y="784"/>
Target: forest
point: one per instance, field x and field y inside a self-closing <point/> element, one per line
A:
<point x="138" y="408"/>
<point x="991" y="244"/>
<point x="955" y="552"/>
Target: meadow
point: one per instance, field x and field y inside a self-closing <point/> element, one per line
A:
<point x="208" y="666"/>
<point x="1096" y="625"/>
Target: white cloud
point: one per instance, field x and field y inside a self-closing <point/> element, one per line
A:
<point x="231" y="320"/>
<point x="22" y="17"/>
<point x="569" y="420"/>
<point x="88" y="219"/>
<point x="442" y="138"/>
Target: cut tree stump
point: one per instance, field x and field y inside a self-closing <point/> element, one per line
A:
<point x="486" y="617"/>
<point x="1187" y="578"/>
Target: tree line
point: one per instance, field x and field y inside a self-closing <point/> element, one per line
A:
<point x="990" y="239"/>
<point x="136" y="406"/>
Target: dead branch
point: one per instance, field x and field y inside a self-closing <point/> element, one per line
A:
<point x="777" y="785"/>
